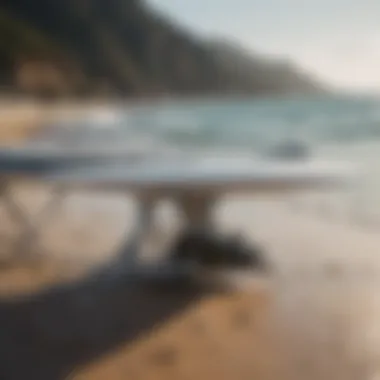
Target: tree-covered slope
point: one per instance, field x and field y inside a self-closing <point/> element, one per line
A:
<point x="121" y="47"/>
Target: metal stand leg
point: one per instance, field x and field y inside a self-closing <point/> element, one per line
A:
<point x="202" y="243"/>
<point x="30" y="234"/>
<point x="197" y="210"/>
<point x="14" y="210"/>
<point x="30" y="230"/>
<point x="132" y="246"/>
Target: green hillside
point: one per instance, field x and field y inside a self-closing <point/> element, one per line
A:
<point x="122" y="48"/>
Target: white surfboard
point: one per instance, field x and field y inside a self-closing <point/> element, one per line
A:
<point x="218" y="176"/>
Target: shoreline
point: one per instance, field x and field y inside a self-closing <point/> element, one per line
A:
<point x="21" y="117"/>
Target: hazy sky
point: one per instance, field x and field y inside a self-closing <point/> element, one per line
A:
<point x="339" y="40"/>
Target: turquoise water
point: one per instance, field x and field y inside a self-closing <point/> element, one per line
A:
<point x="342" y="127"/>
<point x="250" y="123"/>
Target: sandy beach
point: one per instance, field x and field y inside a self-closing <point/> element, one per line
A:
<point x="318" y="306"/>
<point x="316" y="316"/>
<point x="21" y="120"/>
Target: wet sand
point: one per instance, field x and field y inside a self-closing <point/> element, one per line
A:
<point x="315" y="316"/>
<point x="21" y="120"/>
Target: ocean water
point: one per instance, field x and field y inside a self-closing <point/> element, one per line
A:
<point x="250" y="123"/>
<point x="336" y="127"/>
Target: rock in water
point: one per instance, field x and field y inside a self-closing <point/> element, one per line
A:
<point x="290" y="150"/>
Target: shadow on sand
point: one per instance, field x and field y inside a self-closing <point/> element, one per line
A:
<point x="49" y="334"/>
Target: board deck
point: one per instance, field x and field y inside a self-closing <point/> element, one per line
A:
<point x="218" y="176"/>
